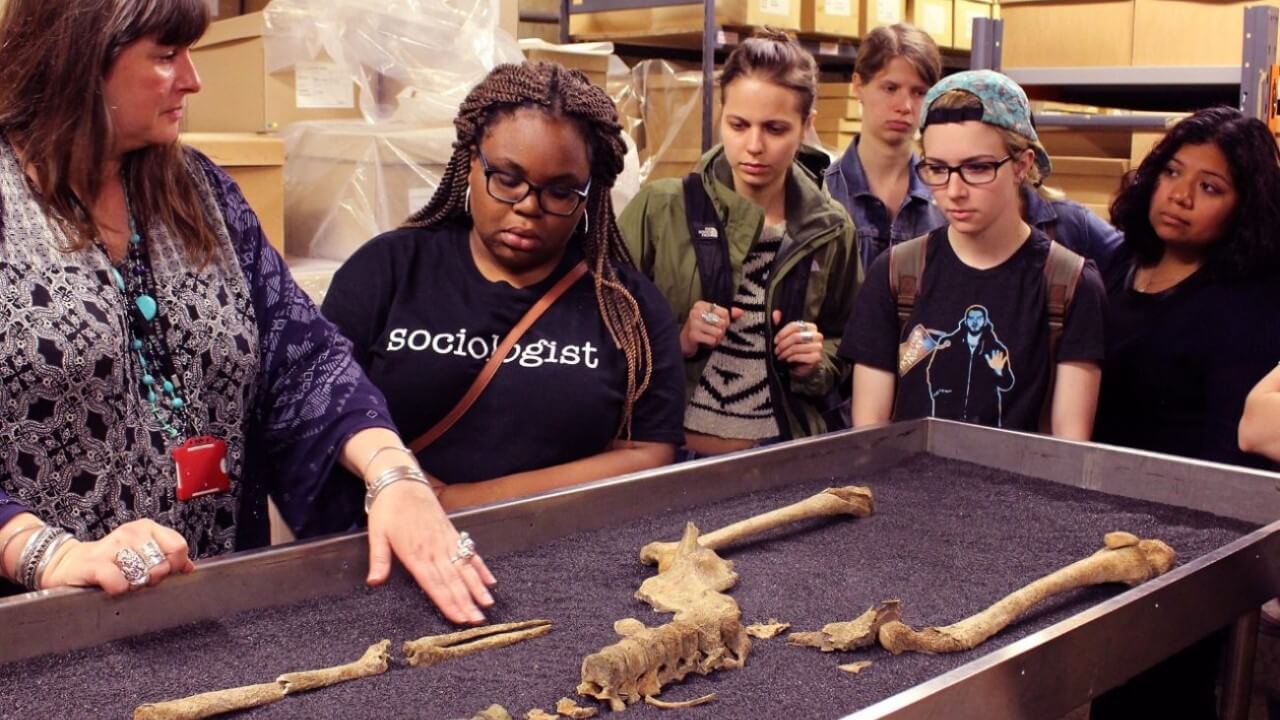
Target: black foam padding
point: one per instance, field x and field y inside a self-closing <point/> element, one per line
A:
<point x="948" y="539"/>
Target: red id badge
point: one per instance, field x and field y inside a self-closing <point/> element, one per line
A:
<point x="202" y="467"/>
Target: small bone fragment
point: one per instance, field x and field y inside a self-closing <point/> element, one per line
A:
<point x="852" y="635"/>
<point x="539" y="714"/>
<point x="855" y="667"/>
<point x="650" y="700"/>
<point x="767" y="630"/>
<point x="374" y="662"/>
<point x="1124" y="559"/>
<point x="685" y="581"/>
<point x="850" y="500"/>
<point x="571" y="709"/>
<point x="429" y="650"/>
<point x="493" y="712"/>
<point x="211" y="703"/>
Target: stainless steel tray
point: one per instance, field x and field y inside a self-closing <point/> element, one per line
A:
<point x="1043" y="675"/>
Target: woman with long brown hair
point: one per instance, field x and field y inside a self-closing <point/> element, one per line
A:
<point x="592" y="388"/>
<point x="160" y="372"/>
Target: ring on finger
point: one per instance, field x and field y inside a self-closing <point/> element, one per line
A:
<point x="806" y="337"/>
<point x="466" y="548"/>
<point x="133" y="567"/>
<point x="710" y="318"/>
<point x="152" y="554"/>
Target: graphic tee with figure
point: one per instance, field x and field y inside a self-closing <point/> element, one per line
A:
<point x="955" y="358"/>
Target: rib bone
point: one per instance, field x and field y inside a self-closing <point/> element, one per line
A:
<point x="432" y="649"/>
<point x="1125" y="559"/>
<point x="850" y="500"/>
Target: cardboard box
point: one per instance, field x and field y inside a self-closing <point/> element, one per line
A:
<point x="837" y="18"/>
<point x="839" y="108"/>
<point x="674" y="163"/>
<point x="1141" y="145"/>
<point x="239" y="94"/>
<point x="672" y="112"/>
<point x="1102" y="211"/>
<point x="256" y="163"/>
<point x="936" y="17"/>
<point x="1190" y="32"/>
<point x="835" y="90"/>
<point x="617" y="25"/>
<point x="1073" y="142"/>
<point x="965" y="12"/>
<point x="347" y="182"/>
<point x="882" y="12"/>
<point x="590" y="58"/>
<point x="1067" y="33"/>
<point x="1088" y="181"/>
<point x="218" y="9"/>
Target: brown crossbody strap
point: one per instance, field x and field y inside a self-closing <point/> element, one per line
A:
<point x="495" y="361"/>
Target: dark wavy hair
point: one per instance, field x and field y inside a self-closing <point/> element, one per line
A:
<point x="1249" y="247"/>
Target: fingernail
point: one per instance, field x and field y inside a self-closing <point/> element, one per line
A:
<point x="477" y="616"/>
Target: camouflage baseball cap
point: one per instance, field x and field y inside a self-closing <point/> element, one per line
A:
<point x="1004" y="105"/>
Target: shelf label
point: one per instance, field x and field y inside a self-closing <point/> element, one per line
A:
<point x="775" y="7"/>
<point x="888" y="12"/>
<point x="323" y="85"/>
<point x="843" y="8"/>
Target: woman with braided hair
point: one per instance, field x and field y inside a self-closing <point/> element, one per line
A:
<point x="593" y="388"/>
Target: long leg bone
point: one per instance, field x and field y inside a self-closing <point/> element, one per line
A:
<point x="852" y="635"/>
<point x="211" y="703"/>
<point x="374" y="662"/>
<point x="1125" y="559"/>
<point x="850" y="500"/>
<point x="429" y="650"/>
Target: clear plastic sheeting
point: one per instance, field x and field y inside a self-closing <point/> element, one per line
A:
<point x="414" y="60"/>
<point x="346" y="182"/>
<point x="662" y="108"/>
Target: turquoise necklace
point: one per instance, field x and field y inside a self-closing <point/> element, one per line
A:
<point x="147" y="340"/>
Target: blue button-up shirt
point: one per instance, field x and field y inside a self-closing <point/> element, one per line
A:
<point x="1077" y="228"/>
<point x="846" y="180"/>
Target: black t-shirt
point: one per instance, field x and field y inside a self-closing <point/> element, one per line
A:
<point x="976" y="347"/>
<point x="424" y="321"/>
<point x="1180" y="363"/>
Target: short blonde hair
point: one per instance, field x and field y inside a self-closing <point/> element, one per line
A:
<point x="1014" y="143"/>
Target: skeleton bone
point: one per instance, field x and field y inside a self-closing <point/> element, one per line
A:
<point x="432" y="649"/>
<point x="211" y="703"/>
<point x="539" y="714"/>
<point x="705" y="635"/>
<point x="493" y="712"/>
<point x="571" y="709"/>
<point x="1124" y="559"/>
<point x="852" y="635"/>
<point x="679" y="705"/>
<point x="767" y="630"/>
<point x="850" y="500"/>
<point x="854" y="668"/>
<point x="374" y="662"/>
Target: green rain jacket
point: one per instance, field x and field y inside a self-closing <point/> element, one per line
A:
<point x="819" y="232"/>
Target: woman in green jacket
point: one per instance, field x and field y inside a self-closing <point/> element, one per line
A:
<point x="758" y="264"/>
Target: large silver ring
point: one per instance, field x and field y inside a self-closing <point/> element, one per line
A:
<point x="133" y="567"/>
<point x="466" y="548"/>
<point x="806" y="337"/>
<point x="710" y="318"/>
<point x="152" y="553"/>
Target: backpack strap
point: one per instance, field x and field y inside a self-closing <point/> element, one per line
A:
<point x="710" y="244"/>
<point x="1062" y="271"/>
<point x="906" y="268"/>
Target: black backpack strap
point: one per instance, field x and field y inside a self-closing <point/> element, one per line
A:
<point x="709" y="242"/>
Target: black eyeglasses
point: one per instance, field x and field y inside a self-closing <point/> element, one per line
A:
<point x="982" y="172"/>
<point x="561" y="200"/>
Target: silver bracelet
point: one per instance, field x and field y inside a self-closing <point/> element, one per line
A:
<point x="62" y="538"/>
<point x="4" y="549"/>
<point x="390" y="476"/>
<point x="33" y="552"/>
<point x="374" y="456"/>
